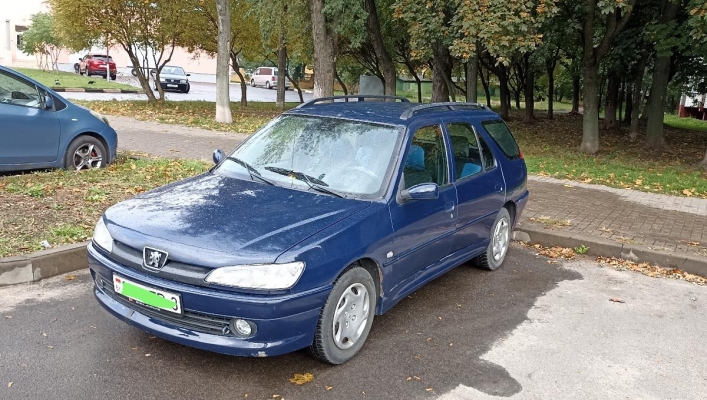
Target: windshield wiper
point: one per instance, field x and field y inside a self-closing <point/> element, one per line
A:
<point x="314" y="183"/>
<point x="254" y="173"/>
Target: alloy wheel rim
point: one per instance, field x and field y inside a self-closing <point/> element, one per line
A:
<point x="87" y="156"/>
<point x="350" y="316"/>
<point x="500" y="239"/>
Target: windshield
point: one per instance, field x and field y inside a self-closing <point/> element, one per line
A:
<point x="346" y="157"/>
<point x="173" y="71"/>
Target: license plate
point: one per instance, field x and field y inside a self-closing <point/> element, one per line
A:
<point x="171" y="85"/>
<point x="147" y="296"/>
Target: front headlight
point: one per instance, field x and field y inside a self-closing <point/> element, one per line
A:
<point x="99" y="116"/>
<point x="163" y="80"/>
<point x="260" y="276"/>
<point x="183" y="81"/>
<point x="102" y="237"/>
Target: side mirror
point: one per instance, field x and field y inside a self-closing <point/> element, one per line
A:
<point x="423" y="191"/>
<point x="218" y="156"/>
<point x="48" y="103"/>
<point x="188" y="74"/>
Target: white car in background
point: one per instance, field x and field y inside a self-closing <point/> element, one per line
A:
<point x="266" y="77"/>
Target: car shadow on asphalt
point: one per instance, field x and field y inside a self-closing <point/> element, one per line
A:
<point x="429" y="343"/>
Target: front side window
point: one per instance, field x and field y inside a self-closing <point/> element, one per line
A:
<point x="16" y="91"/>
<point x="426" y="161"/>
<point x="465" y="147"/>
<point x="349" y="157"/>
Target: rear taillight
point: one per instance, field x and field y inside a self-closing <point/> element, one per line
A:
<point x="274" y="78"/>
<point x="520" y="154"/>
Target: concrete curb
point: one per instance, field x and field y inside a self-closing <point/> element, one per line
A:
<point x="84" y="90"/>
<point x="43" y="264"/>
<point x="599" y="246"/>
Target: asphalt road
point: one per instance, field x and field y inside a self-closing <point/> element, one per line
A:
<point x="528" y="330"/>
<point x="198" y="91"/>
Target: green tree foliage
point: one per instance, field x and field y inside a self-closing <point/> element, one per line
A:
<point x="40" y="39"/>
<point x="149" y="30"/>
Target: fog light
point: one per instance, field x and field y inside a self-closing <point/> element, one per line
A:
<point x="241" y="327"/>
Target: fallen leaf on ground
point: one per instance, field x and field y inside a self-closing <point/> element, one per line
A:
<point x="429" y="389"/>
<point x="616" y="300"/>
<point x="9" y="384"/>
<point x="148" y="354"/>
<point x="70" y="277"/>
<point x="653" y="271"/>
<point x="301" y="379"/>
<point x="329" y="387"/>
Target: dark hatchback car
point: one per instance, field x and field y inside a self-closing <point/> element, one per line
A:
<point x="174" y="78"/>
<point x="330" y="214"/>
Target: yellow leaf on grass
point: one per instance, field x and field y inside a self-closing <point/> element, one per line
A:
<point x="688" y="192"/>
<point x="301" y="379"/>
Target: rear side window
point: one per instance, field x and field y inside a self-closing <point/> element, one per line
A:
<point x="498" y="130"/>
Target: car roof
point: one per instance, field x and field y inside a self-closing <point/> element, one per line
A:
<point x="391" y="113"/>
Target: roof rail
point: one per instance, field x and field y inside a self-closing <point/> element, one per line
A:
<point x="448" y="105"/>
<point x="358" y="97"/>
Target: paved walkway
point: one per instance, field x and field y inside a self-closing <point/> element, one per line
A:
<point x="661" y="222"/>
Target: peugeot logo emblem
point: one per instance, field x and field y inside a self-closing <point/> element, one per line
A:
<point x="154" y="258"/>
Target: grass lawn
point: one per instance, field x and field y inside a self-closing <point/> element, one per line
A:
<point x="62" y="207"/>
<point x="550" y="149"/>
<point x="70" y="80"/>
<point x="685" y="123"/>
<point x="198" y="114"/>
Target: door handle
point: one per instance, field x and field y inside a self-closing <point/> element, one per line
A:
<point x="449" y="207"/>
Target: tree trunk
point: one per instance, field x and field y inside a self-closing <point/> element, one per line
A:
<point x="323" y="39"/>
<point x="441" y="73"/>
<point x="576" y="91"/>
<point x="144" y="81"/>
<point x="529" y="95"/>
<point x="590" y="119"/>
<point x="414" y="74"/>
<point x="551" y="88"/>
<point x="472" y="72"/>
<point x="661" y="78"/>
<point x="223" y="101"/>
<point x="295" y="83"/>
<point x="244" y="85"/>
<point x="620" y="104"/>
<point x="281" y="71"/>
<point x="505" y="93"/>
<point x="636" y="100"/>
<point x="385" y="62"/>
<point x="341" y="83"/>
<point x="612" y="99"/>
<point x="629" y="105"/>
<point x="485" y="84"/>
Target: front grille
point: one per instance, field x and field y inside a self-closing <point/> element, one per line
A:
<point x="192" y="320"/>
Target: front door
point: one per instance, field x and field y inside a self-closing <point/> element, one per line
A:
<point x="424" y="228"/>
<point x="29" y="134"/>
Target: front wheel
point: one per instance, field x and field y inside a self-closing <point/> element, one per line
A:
<point x="498" y="243"/>
<point x="186" y="90"/>
<point x="252" y="82"/>
<point x="346" y="319"/>
<point x="85" y="152"/>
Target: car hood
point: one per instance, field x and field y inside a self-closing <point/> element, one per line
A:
<point x="213" y="220"/>
<point x="170" y="76"/>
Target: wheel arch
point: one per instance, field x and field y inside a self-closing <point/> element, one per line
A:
<point x="374" y="269"/>
<point x="93" y="135"/>
<point x="511" y="207"/>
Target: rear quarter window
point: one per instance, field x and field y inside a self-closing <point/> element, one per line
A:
<point x="499" y="132"/>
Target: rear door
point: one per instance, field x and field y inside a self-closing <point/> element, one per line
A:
<point x="29" y="134"/>
<point x="424" y="228"/>
<point x="479" y="183"/>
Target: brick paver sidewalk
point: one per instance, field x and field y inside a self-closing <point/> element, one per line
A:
<point x="661" y="222"/>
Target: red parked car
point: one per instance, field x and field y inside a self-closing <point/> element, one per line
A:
<point x="95" y="64"/>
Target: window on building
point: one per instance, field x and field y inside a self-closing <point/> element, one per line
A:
<point x="7" y="34"/>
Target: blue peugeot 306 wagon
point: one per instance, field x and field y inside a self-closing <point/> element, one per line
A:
<point x="330" y="214"/>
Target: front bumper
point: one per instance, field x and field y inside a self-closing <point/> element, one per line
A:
<point x="284" y="323"/>
<point x="174" y="86"/>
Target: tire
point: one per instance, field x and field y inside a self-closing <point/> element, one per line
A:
<point x="88" y="72"/>
<point x="187" y="89"/>
<point x="346" y="297"/>
<point x="113" y="77"/>
<point x="267" y="84"/>
<point x="133" y="72"/>
<point x="501" y="236"/>
<point x="73" y="159"/>
<point x="252" y="82"/>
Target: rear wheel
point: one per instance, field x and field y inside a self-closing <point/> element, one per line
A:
<point x="346" y="319"/>
<point x="267" y="85"/>
<point x="498" y="244"/>
<point x="88" y="71"/>
<point x="85" y="152"/>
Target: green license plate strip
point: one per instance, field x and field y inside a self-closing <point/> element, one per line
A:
<point x="150" y="297"/>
